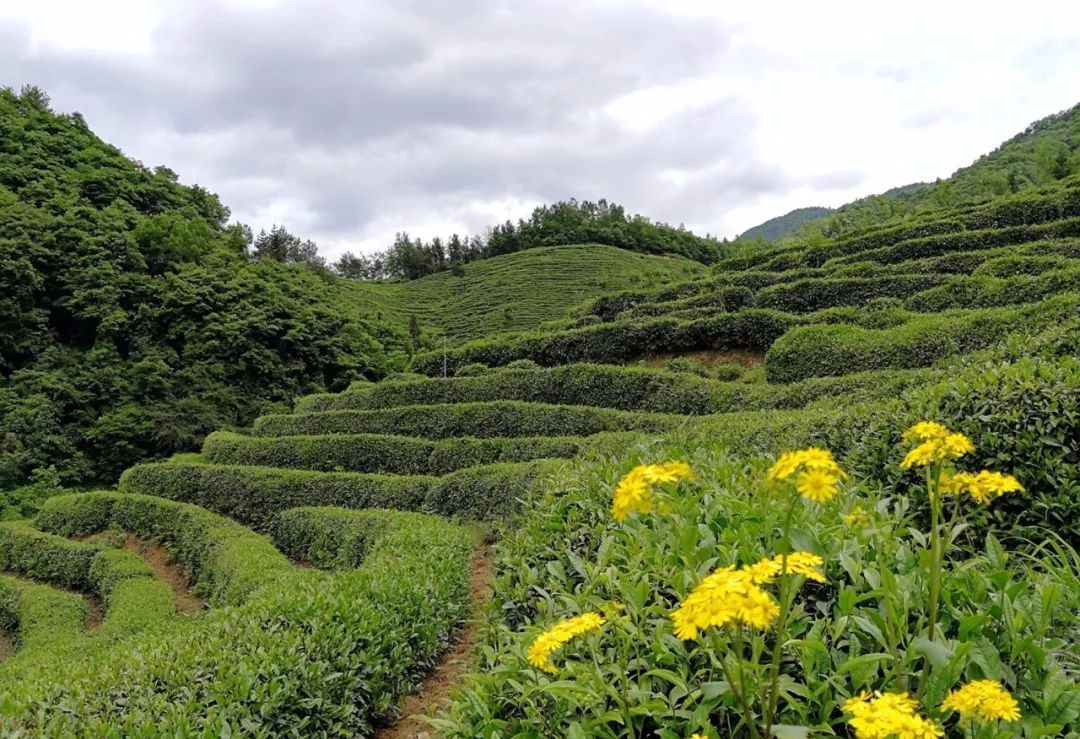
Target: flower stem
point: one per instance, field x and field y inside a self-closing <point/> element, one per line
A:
<point x="785" y="607"/>
<point x="933" y="488"/>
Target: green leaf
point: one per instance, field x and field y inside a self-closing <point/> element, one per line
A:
<point x="936" y="651"/>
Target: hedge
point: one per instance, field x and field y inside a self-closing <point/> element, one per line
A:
<point x="484" y="420"/>
<point x="984" y="291"/>
<point x="43" y="556"/>
<point x="253" y="495"/>
<point x="613" y="385"/>
<point x="40" y="616"/>
<point x="341" y="538"/>
<point x="819" y="350"/>
<point x="396" y="455"/>
<point x="1024" y="417"/>
<point x="964" y="241"/>
<point x="614" y="343"/>
<point x="223" y="560"/>
<point x="319" y="655"/>
<point x="808" y="295"/>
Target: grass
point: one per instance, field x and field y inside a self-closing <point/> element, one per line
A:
<point x="514" y="292"/>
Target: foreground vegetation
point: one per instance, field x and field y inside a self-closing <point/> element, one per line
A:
<point x="828" y="488"/>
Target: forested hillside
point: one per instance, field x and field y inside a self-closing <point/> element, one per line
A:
<point x="777" y="228"/>
<point x="132" y="320"/>
<point x="1045" y="152"/>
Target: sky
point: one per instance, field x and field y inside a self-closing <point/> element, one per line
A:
<point x="350" y="121"/>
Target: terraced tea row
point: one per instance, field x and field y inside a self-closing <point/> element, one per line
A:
<point x="332" y="651"/>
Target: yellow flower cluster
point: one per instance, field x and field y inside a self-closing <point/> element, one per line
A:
<point x="732" y="595"/>
<point x="983" y="700"/>
<point x="634" y="491"/>
<point x="888" y="716"/>
<point x="857" y="518"/>
<point x="934" y="443"/>
<point x="817" y="475"/>
<point x="540" y="652"/>
<point x="798" y="563"/>
<point x="983" y="487"/>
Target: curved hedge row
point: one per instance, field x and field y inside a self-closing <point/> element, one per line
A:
<point x="628" y="388"/>
<point x="132" y="596"/>
<point x="614" y="343"/>
<point x="253" y="495"/>
<point x="964" y="241"/>
<point x="223" y="560"/>
<point x="819" y="350"/>
<point x="483" y="420"/>
<point x="984" y="291"/>
<point x="808" y="295"/>
<point x="40" y="617"/>
<point x="395" y="455"/>
<point x="317" y="655"/>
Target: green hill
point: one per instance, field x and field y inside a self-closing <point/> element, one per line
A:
<point x="775" y="229"/>
<point x="1046" y="152"/>
<point x="513" y="292"/>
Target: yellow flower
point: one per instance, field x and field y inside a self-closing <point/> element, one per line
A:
<point x="726" y="596"/>
<point x="925" y="430"/>
<point x="698" y="736"/>
<point x="543" y="646"/>
<point x="888" y="716"/>
<point x="788" y="463"/>
<point x="857" y="518"/>
<point x="936" y="443"/>
<point x="983" y="700"/>
<point x="785" y="466"/>
<point x="983" y="487"/>
<point x="766" y="570"/>
<point x="634" y="491"/>
<point x="632" y="494"/>
<point x="818" y="485"/>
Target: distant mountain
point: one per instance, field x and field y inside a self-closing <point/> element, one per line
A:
<point x="779" y="227"/>
<point x="1045" y="152"/>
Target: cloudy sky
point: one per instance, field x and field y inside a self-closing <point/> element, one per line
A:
<point x="351" y="120"/>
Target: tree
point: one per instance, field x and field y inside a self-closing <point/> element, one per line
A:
<point x="281" y="246"/>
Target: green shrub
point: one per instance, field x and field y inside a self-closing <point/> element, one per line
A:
<point x="40" y="617"/>
<point x="43" y="556"/>
<point x="222" y="559"/>
<point x="984" y="291"/>
<point x="253" y="495"/>
<point x="522" y="364"/>
<point x="806" y="296"/>
<point x="1024" y="416"/>
<point x="817" y="350"/>
<point x="1024" y="264"/>
<point x="397" y="455"/>
<point x="482" y="419"/>
<point x="472" y="370"/>
<point x="321" y="654"/>
<point x="615" y="343"/>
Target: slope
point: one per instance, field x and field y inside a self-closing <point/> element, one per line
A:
<point x="513" y="292"/>
<point x="777" y="228"/>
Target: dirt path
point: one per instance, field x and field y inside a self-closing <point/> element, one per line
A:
<point x="434" y="692"/>
<point x="168" y="571"/>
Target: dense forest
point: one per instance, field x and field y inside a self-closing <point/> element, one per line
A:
<point x="559" y="224"/>
<point x="134" y="319"/>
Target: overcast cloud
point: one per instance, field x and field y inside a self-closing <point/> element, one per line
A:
<point x="348" y="121"/>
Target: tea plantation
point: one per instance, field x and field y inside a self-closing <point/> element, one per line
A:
<point x="845" y="502"/>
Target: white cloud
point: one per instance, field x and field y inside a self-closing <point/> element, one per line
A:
<point x="350" y="121"/>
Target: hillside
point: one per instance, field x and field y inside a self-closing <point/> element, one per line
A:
<point x="775" y="229"/>
<point x="1046" y="152"/>
<point x="827" y="488"/>
<point x="132" y="319"/>
<point x="513" y="292"/>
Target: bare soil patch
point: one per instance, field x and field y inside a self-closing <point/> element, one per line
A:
<point x="741" y="357"/>
<point x="7" y="645"/>
<point x="168" y="571"/>
<point x="434" y="692"/>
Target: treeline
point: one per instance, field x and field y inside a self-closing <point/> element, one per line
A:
<point x="134" y="319"/>
<point x="559" y="224"/>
